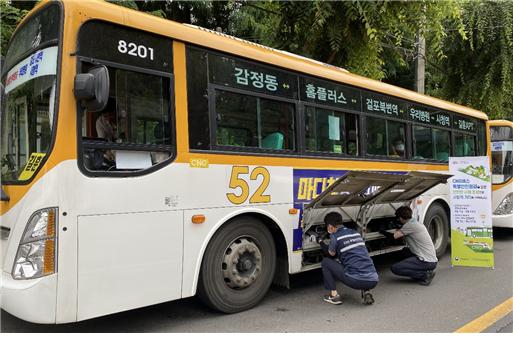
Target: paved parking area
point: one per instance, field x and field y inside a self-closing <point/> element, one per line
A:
<point x="456" y="297"/>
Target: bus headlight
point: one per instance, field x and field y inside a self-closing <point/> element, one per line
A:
<point x="36" y="252"/>
<point x="506" y="206"/>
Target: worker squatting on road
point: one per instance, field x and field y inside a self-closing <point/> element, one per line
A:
<point x="347" y="260"/>
<point x="421" y="259"/>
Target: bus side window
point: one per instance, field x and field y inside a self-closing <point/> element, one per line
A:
<point x="197" y="99"/>
<point x="330" y="131"/>
<point x="248" y="121"/>
<point x="138" y="115"/>
<point x="442" y="144"/>
<point x="352" y="134"/>
<point x="386" y="138"/>
<point x="423" y="142"/>
<point x="396" y="139"/>
<point x="376" y="136"/>
<point x="465" y="145"/>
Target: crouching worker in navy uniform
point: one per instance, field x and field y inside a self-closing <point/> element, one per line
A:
<point x="353" y="265"/>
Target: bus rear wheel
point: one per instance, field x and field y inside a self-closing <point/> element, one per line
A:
<point x="437" y="224"/>
<point x="238" y="266"/>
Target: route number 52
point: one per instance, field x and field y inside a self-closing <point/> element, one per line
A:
<point x="241" y="182"/>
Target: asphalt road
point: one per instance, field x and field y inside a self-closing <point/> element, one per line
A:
<point x="457" y="296"/>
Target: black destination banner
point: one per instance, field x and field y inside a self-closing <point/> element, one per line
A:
<point x="464" y="124"/>
<point x="324" y="92"/>
<point x="236" y="73"/>
<point x="429" y="116"/>
<point x="383" y="105"/>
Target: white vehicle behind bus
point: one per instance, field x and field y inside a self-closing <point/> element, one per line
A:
<point x="501" y="147"/>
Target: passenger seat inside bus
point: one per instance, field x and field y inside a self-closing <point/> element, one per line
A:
<point x="442" y="156"/>
<point x="273" y="141"/>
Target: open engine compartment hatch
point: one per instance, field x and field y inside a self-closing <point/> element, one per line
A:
<point x="368" y="199"/>
<point x="360" y="188"/>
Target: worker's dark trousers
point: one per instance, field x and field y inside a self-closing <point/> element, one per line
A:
<point x="413" y="267"/>
<point x="332" y="271"/>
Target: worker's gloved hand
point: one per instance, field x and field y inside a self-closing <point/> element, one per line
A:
<point x="322" y="237"/>
<point x="324" y="249"/>
<point x="388" y="235"/>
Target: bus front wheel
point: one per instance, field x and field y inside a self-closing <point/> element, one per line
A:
<point x="437" y="224"/>
<point x="238" y="266"/>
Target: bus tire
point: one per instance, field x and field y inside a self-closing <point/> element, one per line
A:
<point x="238" y="266"/>
<point x="437" y="224"/>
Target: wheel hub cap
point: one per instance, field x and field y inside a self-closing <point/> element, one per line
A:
<point x="242" y="263"/>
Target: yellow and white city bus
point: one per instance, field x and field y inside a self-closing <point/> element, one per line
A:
<point x="501" y="147"/>
<point x="144" y="161"/>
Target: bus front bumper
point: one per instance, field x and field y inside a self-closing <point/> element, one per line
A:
<point x="504" y="221"/>
<point x="31" y="300"/>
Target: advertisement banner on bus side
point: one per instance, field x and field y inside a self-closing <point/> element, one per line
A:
<point x="471" y="212"/>
<point x="308" y="184"/>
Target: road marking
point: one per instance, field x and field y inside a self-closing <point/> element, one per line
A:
<point x="492" y="316"/>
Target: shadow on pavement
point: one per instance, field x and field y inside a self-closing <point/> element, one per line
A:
<point x="158" y="317"/>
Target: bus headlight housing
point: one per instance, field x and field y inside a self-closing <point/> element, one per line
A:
<point x="36" y="254"/>
<point x="506" y="206"/>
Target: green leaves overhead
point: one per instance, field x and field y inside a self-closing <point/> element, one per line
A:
<point x="469" y="57"/>
<point x="353" y="34"/>
<point x="480" y="68"/>
<point x="10" y="16"/>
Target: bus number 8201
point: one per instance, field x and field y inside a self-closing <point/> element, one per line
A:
<point x="134" y="50"/>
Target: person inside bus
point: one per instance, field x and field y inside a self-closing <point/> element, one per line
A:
<point x="398" y="148"/>
<point x="122" y="127"/>
<point x="352" y="265"/>
<point x="104" y="127"/>
<point x="421" y="263"/>
<point x="106" y="130"/>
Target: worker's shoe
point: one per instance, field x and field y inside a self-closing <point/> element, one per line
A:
<point x="427" y="281"/>
<point x="367" y="297"/>
<point x="333" y="299"/>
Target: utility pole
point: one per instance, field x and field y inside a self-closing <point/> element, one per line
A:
<point x="420" y="62"/>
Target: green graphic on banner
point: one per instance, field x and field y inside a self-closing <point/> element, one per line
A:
<point x="471" y="251"/>
<point x="471" y="212"/>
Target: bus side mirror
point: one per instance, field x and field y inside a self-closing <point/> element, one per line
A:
<point x="92" y="88"/>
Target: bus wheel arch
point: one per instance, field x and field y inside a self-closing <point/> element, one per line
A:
<point x="240" y="262"/>
<point x="437" y="221"/>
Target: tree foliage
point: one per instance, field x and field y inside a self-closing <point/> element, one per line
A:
<point x="480" y="68"/>
<point x="469" y="44"/>
<point x="10" y="16"/>
<point x="208" y="14"/>
<point x="373" y="39"/>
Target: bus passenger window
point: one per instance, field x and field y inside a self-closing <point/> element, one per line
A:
<point x="376" y="137"/>
<point x="329" y="131"/>
<point x="197" y="99"/>
<point x="136" y="118"/>
<point x="250" y="121"/>
<point x="423" y="141"/>
<point x="481" y="138"/>
<point x="352" y="134"/>
<point x="465" y="145"/>
<point x="442" y="144"/>
<point x="396" y="136"/>
<point x="385" y="138"/>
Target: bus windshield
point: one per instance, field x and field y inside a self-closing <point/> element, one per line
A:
<point x="28" y="97"/>
<point x="502" y="153"/>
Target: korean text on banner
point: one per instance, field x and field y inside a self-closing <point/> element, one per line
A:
<point x="471" y="212"/>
